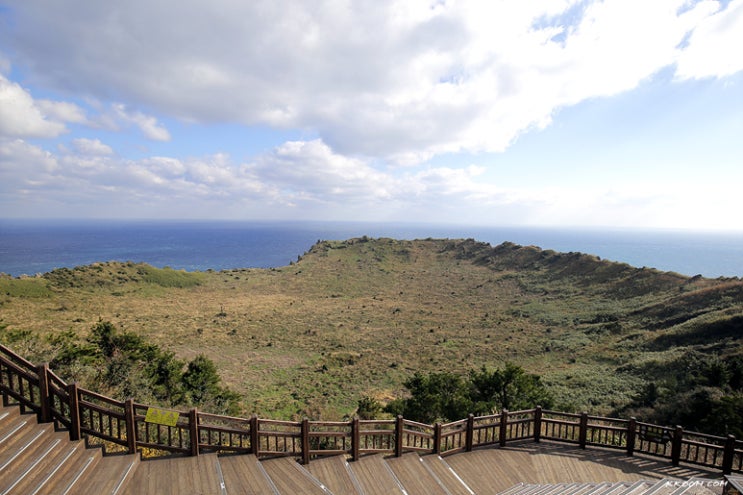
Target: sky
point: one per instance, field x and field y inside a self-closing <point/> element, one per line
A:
<point x="559" y="113"/>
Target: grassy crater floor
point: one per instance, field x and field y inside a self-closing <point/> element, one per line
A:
<point x="357" y="317"/>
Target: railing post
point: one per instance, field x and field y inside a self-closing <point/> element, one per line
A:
<point x="469" y="433"/>
<point x="583" y="430"/>
<point x="305" y="441"/>
<point x="193" y="428"/>
<point x="131" y="426"/>
<point x="42" y="371"/>
<point x="355" y="438"/>
<point x="74" y="399"/>
<point x="729" y="455"/>
<point x="537" y="423"/>
<point x="503" y="427"/>
<point x="678" y="434"/>
<point x="437" y="438"/>
<point x="254" y="438"/>
<point x="398" y="435"/>
<point x="631" y="433"/>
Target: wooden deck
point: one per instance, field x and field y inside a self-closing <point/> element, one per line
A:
<point x="34" y="458"/>
<point x="335" y="473"/>
<point x="415" y="476"/>
<point x="497" y="469"/>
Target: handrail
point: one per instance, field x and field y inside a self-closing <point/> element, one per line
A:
<point x="126" y="425"/>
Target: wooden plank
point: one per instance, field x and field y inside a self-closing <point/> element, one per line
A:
<point x="335" y="473"/>
<point x="415" y="476"/>
<point x="112" y="475"/>
<point x="493" y="470"/>
<point x="47" y="464"/>
<point x="26" y="461"/>
<point x="22" y="433"/>
<point x="374" y="476"/>
<point x="25" y="446"/>
<point x="289" y="477"/>
<point x="244" y="475"/>
<point x="454" y="484"/>
<point x="497" y="469"/>
<point x="7" y="413"/>
<point x="69" y="478"/>
<point x="197" y="475"/>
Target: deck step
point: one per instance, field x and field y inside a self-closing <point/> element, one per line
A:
<point x="68" y="479"/>
<point x="112" y="475"/>
<point x="415" y="476"/>
<point x="19" y="435"/>
<point x="21" y="445"/>
<point x="27" y="459"/>
<point x="637" y="488"/>
<point x="335" y="473"/>
<point x="447" y="475"/>
<point x="700" y="486"/>
<point x="179" y="475"/>
<point x="374" y="476"/>
<point x="245" y="475"/>
<point x="616" y="488"/>
<point x="289" y="477"/>
<point x="43" y="466"/>
<point x="7" y="413"/>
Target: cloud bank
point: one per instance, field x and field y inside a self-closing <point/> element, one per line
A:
<point x="401" y="80"/>
<point x="381" y="87"/>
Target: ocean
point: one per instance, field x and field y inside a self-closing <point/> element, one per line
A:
<point x="33" y="246"/>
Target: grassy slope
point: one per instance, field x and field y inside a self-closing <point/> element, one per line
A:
<point x="358" y="317"/>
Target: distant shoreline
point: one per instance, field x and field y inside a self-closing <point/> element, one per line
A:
<point x="31" y="247"/>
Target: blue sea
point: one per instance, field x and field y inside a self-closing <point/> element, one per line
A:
<point x="34" y="246"/>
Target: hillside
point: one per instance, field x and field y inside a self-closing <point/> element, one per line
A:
<point x="358" y="317"/>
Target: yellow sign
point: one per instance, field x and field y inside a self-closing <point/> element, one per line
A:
<point x="161" y="416"/>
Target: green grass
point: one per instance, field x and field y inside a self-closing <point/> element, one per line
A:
<point x="25" y="287"/>
<point x="167" y="277"/>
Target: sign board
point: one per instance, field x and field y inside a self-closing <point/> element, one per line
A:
<point x="655" y="434"/>
<point x="161" y="416"/>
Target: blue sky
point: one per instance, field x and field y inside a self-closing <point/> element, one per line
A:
<point x="614" y="113"/>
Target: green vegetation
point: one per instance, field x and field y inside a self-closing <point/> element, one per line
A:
<point x="700" y="391"/>
<point x="120" y="274"/>
<point x="122" y="365"/>
<point x="347" y="325"/>
<point x="445" y="396"/>
<point x="24" y="287"/>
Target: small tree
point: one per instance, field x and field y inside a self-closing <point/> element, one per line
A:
<point x="435" y="397"/>
<point x="509" y="388"/>
<point x="201" y="380"/>
<point x="368" y="408"/>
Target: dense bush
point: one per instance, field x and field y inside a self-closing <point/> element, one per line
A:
<point x="122" y="364"/>
<point x="447" y="396"/>
<point x="698" y="391"/>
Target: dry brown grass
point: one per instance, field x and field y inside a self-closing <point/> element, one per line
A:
<point x="356" y="318"/>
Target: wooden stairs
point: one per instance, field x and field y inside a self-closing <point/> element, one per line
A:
<point x="36" y="459"/>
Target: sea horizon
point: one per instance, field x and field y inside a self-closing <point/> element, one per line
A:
<point x="37" y="246"/>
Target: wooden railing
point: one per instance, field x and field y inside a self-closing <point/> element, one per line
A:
<point x="125" y="426"/>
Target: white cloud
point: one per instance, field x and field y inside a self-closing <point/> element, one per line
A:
<point x="146" y="123"/>
<point x="310" y="180"/>
<point x="91" y="147"/>
<point x="713" y="49"/>
<point x="401" y="80"/>
<point x="312" y="171"/>
<point x="20" y="160"/>
<point x="294" y="177"/>
<point x="21" y="116"/>
<point x="380" y="85"/>
<point x="62" y="111"/>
